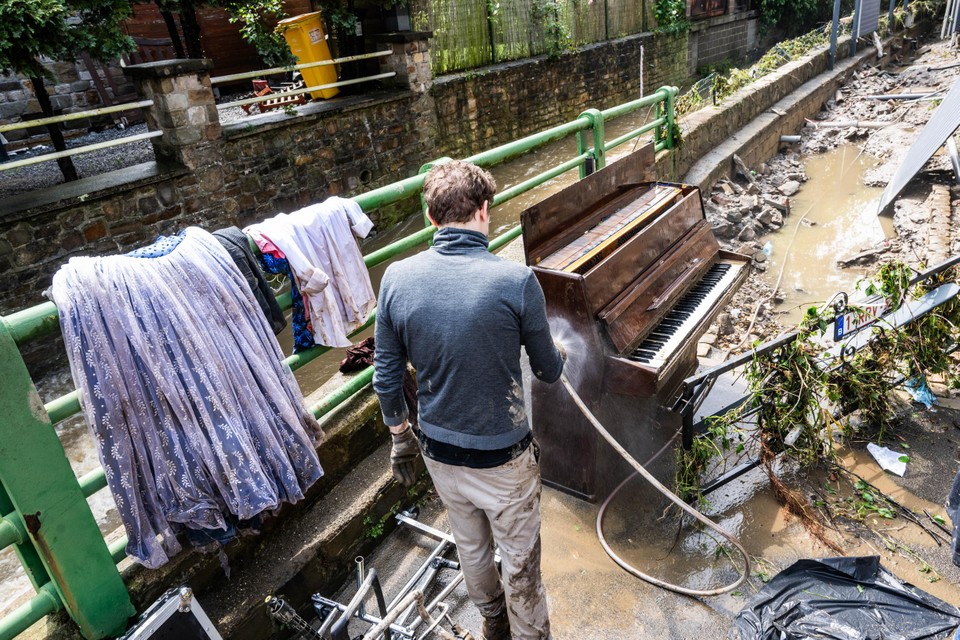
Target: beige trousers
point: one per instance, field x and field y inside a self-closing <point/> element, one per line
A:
<point x="498" y="506"/>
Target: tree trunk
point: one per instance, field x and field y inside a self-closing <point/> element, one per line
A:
<point x="191" y="28"/>
<point x="56" y="136"/>
<point x="174" y="33"/>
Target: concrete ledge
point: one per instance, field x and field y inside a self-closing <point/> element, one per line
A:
<point x="759" y="139"/>
<point x="70" y="194"/>
<point x="709" y="127"/>
<point x="256" y="125"/>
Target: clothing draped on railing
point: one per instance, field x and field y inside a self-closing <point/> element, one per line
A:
<point x="318" y="245"/>
<point x="200" y="425"/>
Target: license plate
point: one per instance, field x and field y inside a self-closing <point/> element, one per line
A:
<point x="866" y="314"/>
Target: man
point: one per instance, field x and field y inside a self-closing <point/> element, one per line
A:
<point x="460" y="315"/>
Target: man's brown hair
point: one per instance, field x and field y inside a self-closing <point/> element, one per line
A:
<point x="455" y="190"/>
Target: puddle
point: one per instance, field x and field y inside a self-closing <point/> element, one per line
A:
<point x="846" y="223"/>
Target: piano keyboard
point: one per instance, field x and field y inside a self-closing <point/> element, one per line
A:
<point x="685" y="315"/>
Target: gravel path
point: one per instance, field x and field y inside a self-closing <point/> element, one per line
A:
<point x="47" y="174"/>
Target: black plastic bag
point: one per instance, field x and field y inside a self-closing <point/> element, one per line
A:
<point x="844" y="599"/>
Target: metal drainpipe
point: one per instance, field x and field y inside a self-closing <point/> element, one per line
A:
<point x="834" y="29"/>
<point x="855" y="29"/>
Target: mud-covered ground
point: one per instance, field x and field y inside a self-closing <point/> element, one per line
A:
<point x="756" y="203"/>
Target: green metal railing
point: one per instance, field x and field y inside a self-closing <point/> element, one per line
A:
<point x="43" y="510"/>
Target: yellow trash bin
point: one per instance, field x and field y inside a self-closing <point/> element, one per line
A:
<point x="307" y="41"/>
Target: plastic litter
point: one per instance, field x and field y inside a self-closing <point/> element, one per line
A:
<point x="844" y="599"/>
<point x="768" y="248"/>
<point x="888" y="459"/>
<point x="920" y="392"/>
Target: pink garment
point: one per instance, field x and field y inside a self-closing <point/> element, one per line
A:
<point x="265" y="245"/>
<point x="319" y="243"/>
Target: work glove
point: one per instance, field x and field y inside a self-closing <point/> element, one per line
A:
<point x="403" y="456"/>
<point x="563" y="352"/>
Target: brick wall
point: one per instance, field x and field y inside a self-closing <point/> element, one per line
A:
<point x="478" y="110"/>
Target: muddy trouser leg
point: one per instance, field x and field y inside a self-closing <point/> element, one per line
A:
<point x="504" y="501"/>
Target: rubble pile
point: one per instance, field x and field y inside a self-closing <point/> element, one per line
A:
<point x="756" y="202"/>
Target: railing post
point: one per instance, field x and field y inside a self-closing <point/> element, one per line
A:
<point x="29" y="559"/>
<point x="671" y="115"/>
<point x="599" y="151"/>
<point x="43" y="490"/>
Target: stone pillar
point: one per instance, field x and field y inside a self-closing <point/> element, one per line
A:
<point x="411" y="62"/>
<point x="184" y="110"/>
<point x="410" y="59"/>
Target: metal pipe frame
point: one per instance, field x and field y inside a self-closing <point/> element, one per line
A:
<point x="77" y="115"/>
<point x="297" y="67"/>
<point x="16" y="164"/>
<point x="339" y="629"/>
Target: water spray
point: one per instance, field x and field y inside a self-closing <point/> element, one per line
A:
<point x="666" y="492"/>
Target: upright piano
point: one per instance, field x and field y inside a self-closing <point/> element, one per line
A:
<point x="632" y="276"/>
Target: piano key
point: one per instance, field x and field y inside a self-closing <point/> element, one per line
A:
<point x="685" y="315"/>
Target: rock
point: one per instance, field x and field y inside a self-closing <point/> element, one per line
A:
<point x="703" y="350"/>
<point x="777" y="202"/>
<point x="746" y="234"/>
<point x="752" y="188"/>
<point x="734" y="216"/>
<point x="759" y="257"/>
<point x="789" y="188"/>
<point x="761" y="266"/>
<point x="749" y="203"/>
<point x="723" y="201"/>
<point x="725" y="230"/>
<point x="709" y="338"/>
<point x="727" y="188"/>
<point x="725" y="324"/>
<point x="766" y="216"/>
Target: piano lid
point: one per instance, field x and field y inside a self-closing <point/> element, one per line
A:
<point x="558" y="219"/>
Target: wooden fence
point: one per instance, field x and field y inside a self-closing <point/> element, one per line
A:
<point x="474" y="33"/>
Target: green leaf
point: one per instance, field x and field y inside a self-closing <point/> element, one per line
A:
<point x="860" y="588"/>
<point x="904" y="458"/>
<point x="939" y="519"/>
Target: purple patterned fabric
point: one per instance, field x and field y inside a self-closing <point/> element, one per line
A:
<point x="198" y="422"/>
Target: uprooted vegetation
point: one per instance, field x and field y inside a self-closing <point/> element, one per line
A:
<point x="805" y="402"/>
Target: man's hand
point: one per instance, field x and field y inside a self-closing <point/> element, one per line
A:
<point x="403" y="456"/>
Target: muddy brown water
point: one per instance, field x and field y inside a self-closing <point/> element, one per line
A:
<point x="839" y="220"/>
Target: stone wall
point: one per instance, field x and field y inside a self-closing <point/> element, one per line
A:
<point x="481" y="109"/>
<point x="71" y="90"/>
<point x="722" y="39"/>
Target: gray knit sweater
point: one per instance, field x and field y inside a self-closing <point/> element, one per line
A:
<point x="460" y="315"/>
